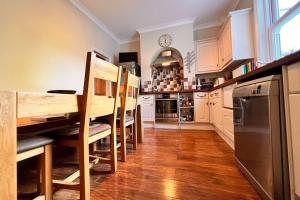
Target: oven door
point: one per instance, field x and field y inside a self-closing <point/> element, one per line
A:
<point x="166" y="110"/>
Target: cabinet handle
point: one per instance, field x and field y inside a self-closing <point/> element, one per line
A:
<point x="201" y="95"/>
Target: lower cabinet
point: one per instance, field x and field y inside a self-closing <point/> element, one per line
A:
<point x="148" y="103"/>
<point x="201" y="105"/>
<point x="218" y="103"/>
<point x="216" y="106"/>
<point x="292" y="99"/>
<point x="228" y="128"/>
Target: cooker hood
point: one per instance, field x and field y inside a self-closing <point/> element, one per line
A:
<point x="166" y="58"/>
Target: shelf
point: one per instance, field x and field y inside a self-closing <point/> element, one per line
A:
<point x="187" y="122"/>
<point x="186" y="107"/>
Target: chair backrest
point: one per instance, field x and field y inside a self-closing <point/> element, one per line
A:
<point x="130" y="94"/>
<point x="96" y="105"/>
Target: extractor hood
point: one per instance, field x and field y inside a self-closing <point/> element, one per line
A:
<point x="166" y="58"/>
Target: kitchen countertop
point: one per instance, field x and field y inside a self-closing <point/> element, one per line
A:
<point x="264" y="70"/>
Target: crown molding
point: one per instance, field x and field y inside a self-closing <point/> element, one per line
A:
<point x="208" y="25"/>
<point x="93" y="18"/>
<point x="166" y="25"/>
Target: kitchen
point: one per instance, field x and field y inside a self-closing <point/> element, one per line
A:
<point x="212" y="93"/>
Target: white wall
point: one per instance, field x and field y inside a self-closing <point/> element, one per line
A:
<point x="44" y="45"/>
<point x="183" y="40"/>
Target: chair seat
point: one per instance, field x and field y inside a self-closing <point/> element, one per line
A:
<point x="127" y="119"/>
<point x="29" y="143"/>
<point x="73" y="131"/>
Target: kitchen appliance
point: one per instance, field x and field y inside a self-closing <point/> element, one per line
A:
<point x="259" y="136"/>
<point x="132" y="67"/>
<point x="128" y="57"/>
<point x="205" y="83"/>
<point x="166" y="108"/>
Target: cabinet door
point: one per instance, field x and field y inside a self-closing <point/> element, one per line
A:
<point x="211" y="111"/>
<point x="148" y="108"/>
<point x="294" y="74"/>
<point x="227" y="96"/>
<point x="228" y="123"/>
<point x="226" y="44"/>
<point x="218" y="110"/>
<point x="220" y="50"/>
<point x="207" y="56"/>
<point x="201" y="110"/>
<point x="295" y="138"/>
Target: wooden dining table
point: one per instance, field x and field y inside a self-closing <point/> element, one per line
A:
<point x="23" y="112"/>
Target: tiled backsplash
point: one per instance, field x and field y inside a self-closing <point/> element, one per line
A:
<point x="168" y="79"/>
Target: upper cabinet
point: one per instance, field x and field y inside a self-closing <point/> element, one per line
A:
<point x="236" y="39"/>
<point x="225" y="42"/>
<point x="207" y="56"/>
<point x="233" y="47"/>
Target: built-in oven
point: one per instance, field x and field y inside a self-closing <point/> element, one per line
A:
<point x="166" y="108"/>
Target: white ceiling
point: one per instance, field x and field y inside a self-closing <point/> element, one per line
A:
<point x="123" y="18"/>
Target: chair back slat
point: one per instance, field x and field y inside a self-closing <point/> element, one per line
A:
<point x="133" y="81"/>
<point x="130" y="103"/>
<point x="130" y="94"/>
<point x="105" y="71"/>
<point x="101" y="106"/>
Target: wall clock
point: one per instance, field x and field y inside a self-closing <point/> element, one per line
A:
<point x="165" y="40"/>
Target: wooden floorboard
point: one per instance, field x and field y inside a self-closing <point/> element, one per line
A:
<point x="175" y="165"/>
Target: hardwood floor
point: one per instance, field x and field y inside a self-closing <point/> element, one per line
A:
<point x="172" y="164"/>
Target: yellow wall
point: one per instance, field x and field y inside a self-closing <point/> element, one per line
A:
<point x="44" y="45"/>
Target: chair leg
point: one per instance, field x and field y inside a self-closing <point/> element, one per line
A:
<point x="113" y="151"/>
<point x="93" y="148"/>
<point x="134" y="136"/>
<point x="123" y="141"/>
<point x="84" y="168"/>
<point x="39" y="175"/>
<point x="46" y="171"/>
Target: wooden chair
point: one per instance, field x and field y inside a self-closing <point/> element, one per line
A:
<point x="80" y="136"/>
<point x="28" y="147"/>
<point x="128" y="115"/>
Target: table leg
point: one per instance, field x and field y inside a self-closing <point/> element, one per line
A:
<point x="8" y="146"/>
<point x="140" y="126"/>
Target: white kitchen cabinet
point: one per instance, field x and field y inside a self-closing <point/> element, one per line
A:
<point x="236" y="39"/>
<point x="227" y="96"/>
<point x="148" y="103"/>
<point x="295" y="138"/>
<point x="201" y="105"/>
<point x="228" y="127"/>
<point x="226" y="41"/>
<point x="216" y="106"/>
<point x="294" y="78"/>
<point x="207" y="56"/>
<point x="291" y="75"/>
<point x="218" y="113"/>
<point x="211" y="111"/>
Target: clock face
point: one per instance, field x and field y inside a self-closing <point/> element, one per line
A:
<point x="165" y="40"/>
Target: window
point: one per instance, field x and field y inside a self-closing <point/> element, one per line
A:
<point x="285" y="27"/>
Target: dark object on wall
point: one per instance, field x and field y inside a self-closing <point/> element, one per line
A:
<point x="128" y="57"/>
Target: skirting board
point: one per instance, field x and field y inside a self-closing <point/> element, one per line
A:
<point x="228" y="140"/>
